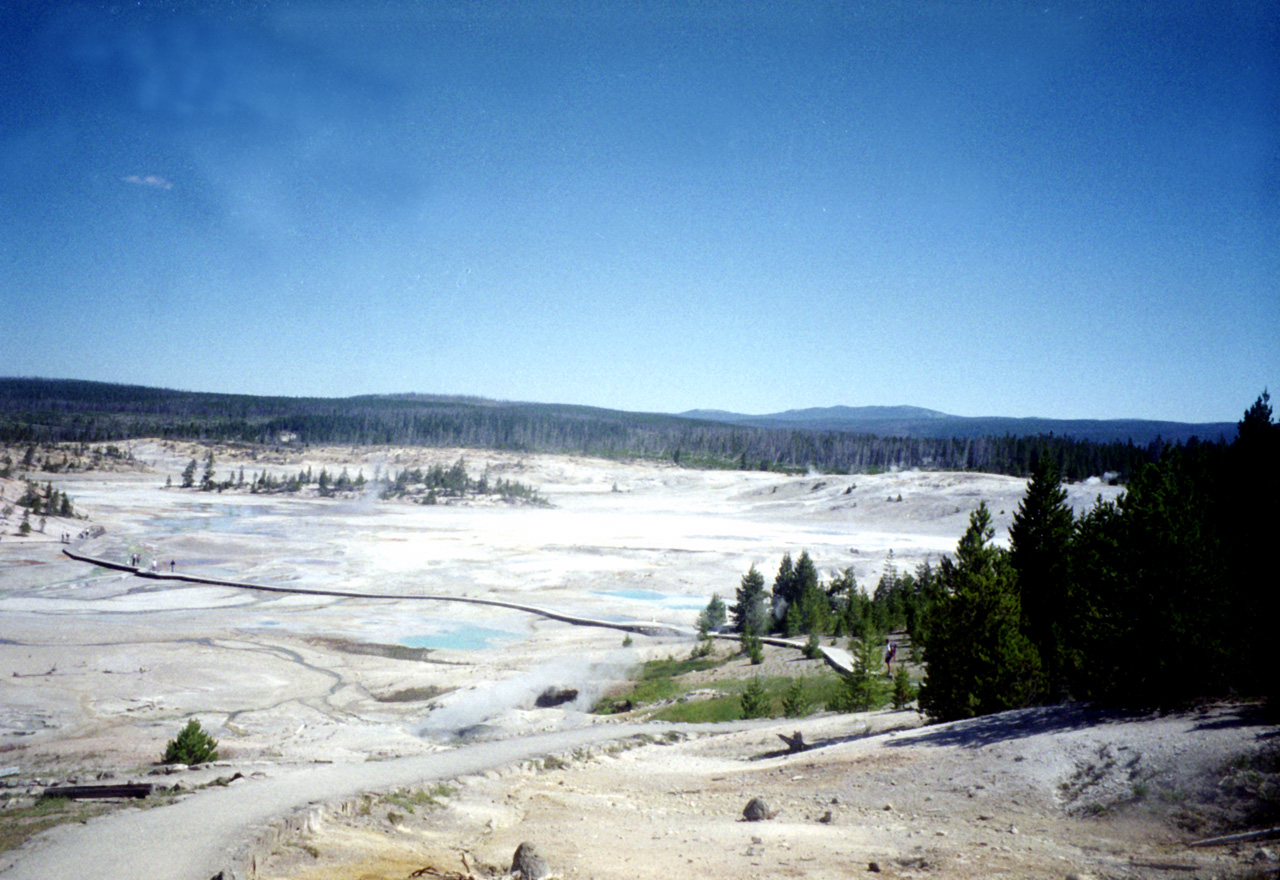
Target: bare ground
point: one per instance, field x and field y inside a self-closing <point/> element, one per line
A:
<point x="103" y="668"/>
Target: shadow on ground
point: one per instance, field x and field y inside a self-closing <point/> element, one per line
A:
<point x="976" y="733"/>
<point x="989" y="730"/>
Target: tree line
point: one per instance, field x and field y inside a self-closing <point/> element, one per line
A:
<point x="46" y="411"/>
<point x="423" y="486"/>
<point x="1161" y="597"/>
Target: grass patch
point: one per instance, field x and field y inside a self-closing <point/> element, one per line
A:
<point x="658" y="680"/>
<point x="666" y="681"/>
<point x="18" y="824"/>
<point x="817" y="690"/>
<point x="408" y="800"/>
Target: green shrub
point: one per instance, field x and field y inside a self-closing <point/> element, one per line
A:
<point x="794" y="703"/>
<point x="755" y="700"/>
<point x="812" y="650"/>
<point x="903" y="692"/>
<point x="864" y="688"/>
<point x="191" y="746"/>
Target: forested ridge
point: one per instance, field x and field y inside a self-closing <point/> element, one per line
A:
<point x="51" y="410"/>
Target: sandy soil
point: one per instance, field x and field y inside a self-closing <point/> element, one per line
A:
<point x="103" y="668"/>
<point x="1052" y="793"/>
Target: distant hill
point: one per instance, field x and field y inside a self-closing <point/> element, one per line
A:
<point x="914" y="421"/>
<point x="834" y="440"/>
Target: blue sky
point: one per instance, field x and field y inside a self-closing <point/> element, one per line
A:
<point x="993" y="208"/>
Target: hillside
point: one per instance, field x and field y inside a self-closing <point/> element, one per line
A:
<point x="914" y="421"/>
<point x="839" y="440"/>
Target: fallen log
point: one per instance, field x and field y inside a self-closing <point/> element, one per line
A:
<point x="1261" y="834"/>
<point x="82" y="792"/>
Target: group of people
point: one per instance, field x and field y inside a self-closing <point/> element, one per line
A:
<point x="135" y="561"/>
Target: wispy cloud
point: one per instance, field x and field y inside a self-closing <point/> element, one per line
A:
<point x="151" y="180"/>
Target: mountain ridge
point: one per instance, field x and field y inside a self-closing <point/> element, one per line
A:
<point x="920" y="422"/>
<point x="67" y="396"/>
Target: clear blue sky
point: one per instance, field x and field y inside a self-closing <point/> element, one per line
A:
<point x="990" y="208"/>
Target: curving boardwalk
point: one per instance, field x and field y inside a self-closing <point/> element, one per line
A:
<point x="640" y="627"/>
<point x="837" y="658"/>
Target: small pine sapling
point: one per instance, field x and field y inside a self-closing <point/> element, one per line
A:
<point x="812" y="650"/>
<point x="903" y="692"/>
<point x="794" y="704"/>
<point x="191" y="746"/>
<point x="755" y="700"/>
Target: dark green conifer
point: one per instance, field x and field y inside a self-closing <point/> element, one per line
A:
<point x="750" y="611"/>
<point x="1040" y="539"/>
<point x="978" y="660"/>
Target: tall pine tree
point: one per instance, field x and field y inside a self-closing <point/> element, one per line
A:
<point x="978" y="660"/>
<point x="750" y="613"/>
<point x="1040" y="551"/>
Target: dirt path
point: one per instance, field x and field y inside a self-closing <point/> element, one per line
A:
<point x="1055" y="792"/>
<point x="201" y="835"/>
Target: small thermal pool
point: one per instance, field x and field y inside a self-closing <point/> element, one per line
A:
<point x="463" y="638"/>
<point x="666" y="600"/>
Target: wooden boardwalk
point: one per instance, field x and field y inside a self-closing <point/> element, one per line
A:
<point x="837" y="658"/>
<point x="639" y="627"/>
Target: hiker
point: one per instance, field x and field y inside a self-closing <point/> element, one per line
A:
<point x="171" y="565"/>
<point x="890" y="655"/>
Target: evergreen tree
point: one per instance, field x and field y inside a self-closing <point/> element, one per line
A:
<point x="804" y="577"/>
<point x="978" y="661"/>
<point x="847" y="602"/>
<point x="750" y="612"/>
<point x="894" y="603"/>
<point x="206" y="481"/>
<point x="1251" y="520"/>
<point x="192" y="745"/>
<point x="786" y="590"/>
<point x="755" y="700"/>
<point x="713" y="616"/>
<point x="862" y="687"/>
<point x="1098" y="621"/>
<point x="189" y="474"/>
<point x="1174" y="592"/>
<point x="903" y="692"/>
<point x="752" y="646"/>
<point x="812" y="647"/>
<point x="925" y="591"/>
<point x="794" y="704"/>
<point x="1040" y="539"/>
<point x="813" y="608"/>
